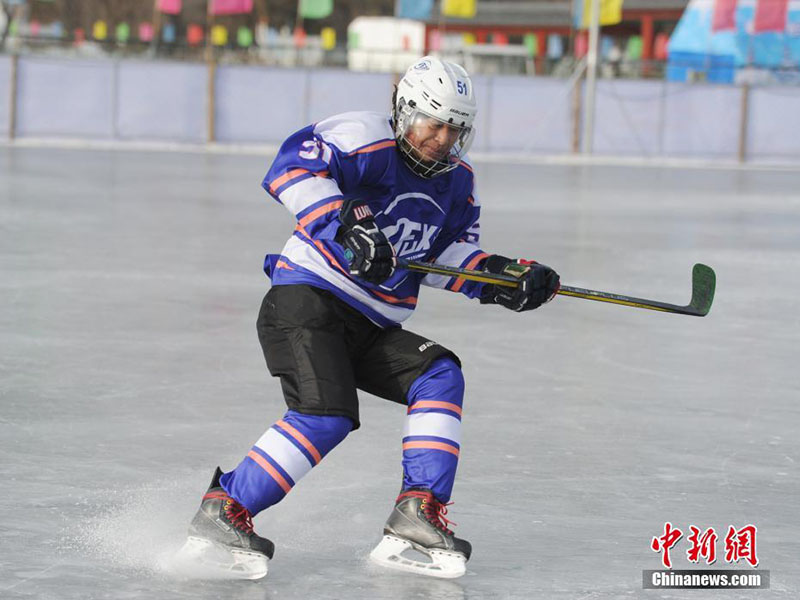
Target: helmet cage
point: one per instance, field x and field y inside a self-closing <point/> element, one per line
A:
<point x="406" y="117"/>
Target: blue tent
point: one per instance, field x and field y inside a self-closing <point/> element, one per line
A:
<point x="696" y="50"/>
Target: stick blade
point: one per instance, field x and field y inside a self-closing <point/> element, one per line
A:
<point x="704" y="283"/>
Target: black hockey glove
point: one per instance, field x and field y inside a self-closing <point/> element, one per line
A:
<point x="371" y="256"/>
<point x="537" y="283"/>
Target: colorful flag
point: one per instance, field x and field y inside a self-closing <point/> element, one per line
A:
<point x="435" y="40"/>
<point x="531" y="44"/>
<point x="244" y="37"/>
<point x="219" y="35"/>
<point x="170" y="7"/>
<point x="315" y="9"/>
<point x="610" y="12"/>
<point x="606" y="44"/>
<point x="464" y="9"/>
<point x="499" y="38"/>
<point x="581" y="45"/>
<point x="299" y="36"/>
<point x="194" y="34"/>
<point x="230" y="7"/>
<point x="145" y="32"/>
<point x="123" y="32"/>
<point x="633" y="51"/>
<point x="100" y="30"/>
<point x="328" y="37"/>
<point x="661" y="46"/>
<point x="724" y="18"/>
<point x="555" y="46"/>
<point x="770" y="16"/>
<point x="414" y="9"/>
<point x="168" y="33"/>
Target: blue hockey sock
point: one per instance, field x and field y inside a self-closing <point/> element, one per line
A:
<point x="285" y="453"/>
<point x="432" y="434"/>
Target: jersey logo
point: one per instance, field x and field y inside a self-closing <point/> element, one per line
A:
<point x="409" y="196"/>
<point x="411" y="239"/>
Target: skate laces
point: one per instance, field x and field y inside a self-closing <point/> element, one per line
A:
<point x="237" y="514"/>
<point x="433" y="510"/>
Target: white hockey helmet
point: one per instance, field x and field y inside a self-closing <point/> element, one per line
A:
<point x="434" y="112"/>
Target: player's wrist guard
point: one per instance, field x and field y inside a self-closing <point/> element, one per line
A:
<point x="369" y="252"/>
<point x="538" y="283"/>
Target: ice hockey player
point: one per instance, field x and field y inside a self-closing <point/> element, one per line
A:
<point x="366" y="188"/>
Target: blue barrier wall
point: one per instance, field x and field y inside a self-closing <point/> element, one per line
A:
<point x="774" y="124"/>
<point x="168" y="101"/>
<point x="161" y="101"/>
<point x="65" y="98"/>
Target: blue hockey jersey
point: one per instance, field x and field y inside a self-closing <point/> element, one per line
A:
<point x="353" y="155"/>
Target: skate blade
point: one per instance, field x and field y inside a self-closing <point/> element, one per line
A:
<point x="447" y="565"/>
<point x="202" y="559"/>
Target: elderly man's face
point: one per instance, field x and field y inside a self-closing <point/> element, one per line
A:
<point x="432" y="138"/>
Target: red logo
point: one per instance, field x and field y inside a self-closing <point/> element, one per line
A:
<point x="739" y="544"/>
<point x="703" y="545"/>
<point x="665" y="543"/>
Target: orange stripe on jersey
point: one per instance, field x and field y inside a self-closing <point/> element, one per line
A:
<point x="286" y="177"/>
<point x="392" y="300"/>
<point x="321" y="248"/>
<point x="431" y="446"/>
<point x="451" y="406"/>
<point x="322" y="210"/>
<point x="466" y="166"/>
<point x="470" y="265"/>
<point x="374" y="147"/>
<point x="262" y="462"/>
<point x="300" y="438"/>
<point x="282" y="265"/>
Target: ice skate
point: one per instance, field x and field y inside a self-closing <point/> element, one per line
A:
<point x="417" y="523"/>
<point x="221" y="542"/>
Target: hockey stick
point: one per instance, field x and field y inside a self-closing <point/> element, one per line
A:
<point x="703" y="286"/>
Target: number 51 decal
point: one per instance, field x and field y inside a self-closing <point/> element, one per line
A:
<point x="311" y="150"/>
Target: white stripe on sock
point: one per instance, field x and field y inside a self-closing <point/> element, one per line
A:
<point x="285" y="453"/>
<point x="436" y="424"/>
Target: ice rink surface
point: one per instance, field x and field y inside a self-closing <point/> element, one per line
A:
<point x="130" y="368"/>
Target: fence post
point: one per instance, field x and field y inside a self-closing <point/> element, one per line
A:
<point x="211" y="135"/>
<point x="744" y="118"/>
<point x="115" y="98"/>
<point x="577" y="93"/>
<point x="12" y="104"/>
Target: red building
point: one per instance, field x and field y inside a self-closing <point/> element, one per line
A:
<point x="508" y="20"/>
